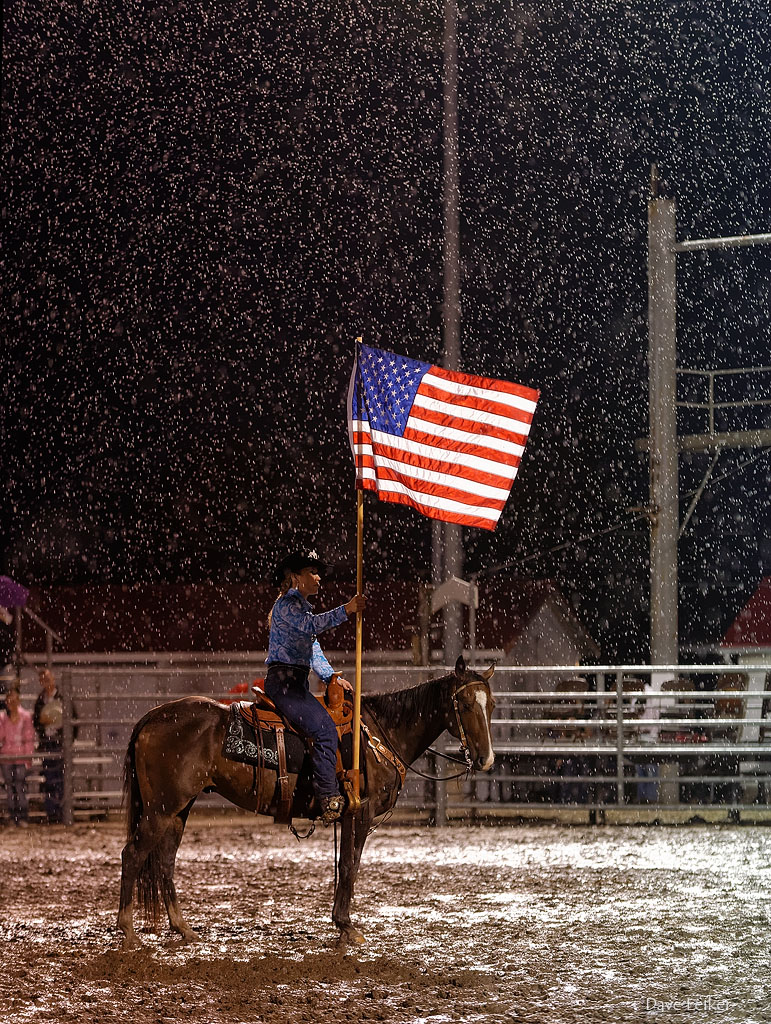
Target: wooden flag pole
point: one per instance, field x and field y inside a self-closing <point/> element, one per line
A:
<point x="359" y="634"/>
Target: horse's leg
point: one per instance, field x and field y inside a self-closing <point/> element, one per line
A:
<point x="354" y="831"/>
<point x="165" y="770"/>
<point x="134" y="855"/>
<point x="169" y="845"/>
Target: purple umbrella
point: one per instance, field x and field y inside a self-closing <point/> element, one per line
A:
<point x="12" y="594"/>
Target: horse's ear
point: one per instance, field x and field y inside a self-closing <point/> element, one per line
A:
<point x="488" y="673"/>
<point x="460" y="667"/>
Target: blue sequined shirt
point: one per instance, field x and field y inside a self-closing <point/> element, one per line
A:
<point x="293" y="629"/>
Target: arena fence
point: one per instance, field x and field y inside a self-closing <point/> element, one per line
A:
<point x="588" y="743"/>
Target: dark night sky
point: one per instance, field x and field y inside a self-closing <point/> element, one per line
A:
<point x="205" y="203"/>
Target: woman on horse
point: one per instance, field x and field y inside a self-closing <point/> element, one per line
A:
<point x="292" y="651"/>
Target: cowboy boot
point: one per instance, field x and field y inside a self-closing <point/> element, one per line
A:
<point x="332" y="808"/>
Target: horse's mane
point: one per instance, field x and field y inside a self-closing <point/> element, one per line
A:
<point x="412" y="703"/>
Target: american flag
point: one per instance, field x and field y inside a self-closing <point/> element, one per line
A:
<point x="445" y="443"/>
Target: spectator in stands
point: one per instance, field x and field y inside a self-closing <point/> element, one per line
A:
<point x="47" y="717"/>
<point x="17" y="741"/>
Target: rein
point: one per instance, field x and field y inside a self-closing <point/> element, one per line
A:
<point x="447" y="757"/>
<point x="442" y="778"/>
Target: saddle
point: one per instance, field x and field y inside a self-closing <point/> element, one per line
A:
<point x="258" y="734"/>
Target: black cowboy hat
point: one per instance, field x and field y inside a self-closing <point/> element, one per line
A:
<point x="296" y="561"/>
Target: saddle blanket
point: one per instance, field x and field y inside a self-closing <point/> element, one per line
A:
<point x="242" y="744"/>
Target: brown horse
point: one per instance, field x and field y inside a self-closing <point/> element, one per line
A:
<point x="174" y="754"/>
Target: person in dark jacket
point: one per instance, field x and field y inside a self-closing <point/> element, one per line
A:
<point x="293" y="650"/>
<point x="47" y="719"/>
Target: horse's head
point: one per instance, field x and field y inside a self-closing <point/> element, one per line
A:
<point x="470" y="714"/>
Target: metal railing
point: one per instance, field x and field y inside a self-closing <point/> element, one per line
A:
<point x="620" y="744"/>
<point x="712" y="405"/>
<point x="593" y="739"/>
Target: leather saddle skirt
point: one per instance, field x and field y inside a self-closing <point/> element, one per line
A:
<point x="255" y="740"/>
<point x="251" y="734"/>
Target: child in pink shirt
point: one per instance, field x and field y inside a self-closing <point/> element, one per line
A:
<point x="17" y="741"/>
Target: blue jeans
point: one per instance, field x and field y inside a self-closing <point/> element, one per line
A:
<point x="287" y="687"/>
<point x="53" y="785"/>
<point x="16" y="791"/>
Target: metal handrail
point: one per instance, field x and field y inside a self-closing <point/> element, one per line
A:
<point x="552" y="696"/>
<point x="710" y="404"/>
<point x="632" y="723"/>
<point x="689" y="749"/>
<point x="547" y="697"/>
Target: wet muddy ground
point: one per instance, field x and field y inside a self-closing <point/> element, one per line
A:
<point x="542" y="924"/>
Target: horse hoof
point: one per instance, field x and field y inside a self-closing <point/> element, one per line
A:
<point x="190" y="936"/>
<point x="131" y="942"/>
<point x="350" y="935"/>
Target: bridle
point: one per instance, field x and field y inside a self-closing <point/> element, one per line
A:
<point x="459" y="721"/>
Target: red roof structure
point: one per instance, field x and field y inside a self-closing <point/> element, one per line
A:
<point x="102" y="618"/>
<point x="752" y="626"/>
<point x="202" y="617"/>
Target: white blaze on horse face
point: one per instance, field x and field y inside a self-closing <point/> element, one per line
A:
<point x="487" y="764"/>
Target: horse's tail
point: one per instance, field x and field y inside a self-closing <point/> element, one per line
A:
<point x="132" y="797"/>
<point x="150" y="874"/>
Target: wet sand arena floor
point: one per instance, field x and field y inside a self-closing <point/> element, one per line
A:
<point x="546" y="924"/>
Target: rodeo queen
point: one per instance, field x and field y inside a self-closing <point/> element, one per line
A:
<point x="292" y="651"/>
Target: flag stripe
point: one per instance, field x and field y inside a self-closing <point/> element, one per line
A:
<point x="500" y="458"/>
<point x="436" y="454"/>
<point x="471" y="407"/>
<point x="439" y="501"/>
<point x="494" y="390"/>
<point x="504" y="467"/>
<point x="447" y="425"/>
<point x="388" y="479"/>
<point x="426" y="491"/>
<point x="435" y="501"/>
<point x="420" y="476"/>
<point x="431" y="513"/>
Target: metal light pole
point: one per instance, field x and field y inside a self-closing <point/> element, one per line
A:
<point x="452" y="561"/>
<point x="446" y="538"/>
<point x="662" y="369"/>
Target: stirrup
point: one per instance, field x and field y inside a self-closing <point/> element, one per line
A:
<point x="332" y="808"/>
